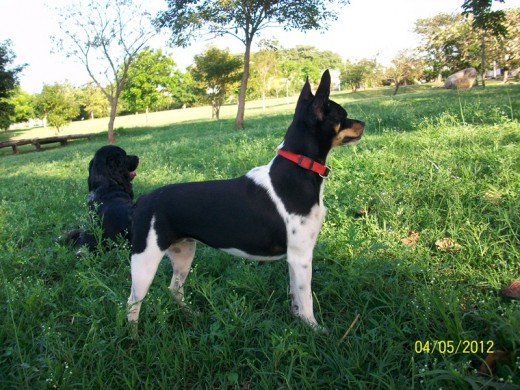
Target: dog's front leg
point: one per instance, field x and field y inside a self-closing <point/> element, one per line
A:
<point x="300" y="274"/>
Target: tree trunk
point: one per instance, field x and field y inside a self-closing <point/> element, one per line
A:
<point x="112" y="119"/>
<point x="483" y="57"/>
<point x="506" y="74"/>
<point x="397" y="83"/>
<point x="239" y="120"/>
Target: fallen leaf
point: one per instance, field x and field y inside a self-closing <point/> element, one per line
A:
<point x="362" y="212"/>
<point x="513" y="290"/>
<point x="493" y="196"/>
<point x="411" y="240"/>
<point x="447" y="245"/>
<point x="489" y="365"/>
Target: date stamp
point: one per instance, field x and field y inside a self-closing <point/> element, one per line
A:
<point x="453" y="347"/>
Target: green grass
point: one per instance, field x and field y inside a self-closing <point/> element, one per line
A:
<point x="445" y="164"/>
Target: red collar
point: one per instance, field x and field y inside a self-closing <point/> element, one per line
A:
<point x="305" y="162"/>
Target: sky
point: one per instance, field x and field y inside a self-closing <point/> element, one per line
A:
<point x="364" y="29"/>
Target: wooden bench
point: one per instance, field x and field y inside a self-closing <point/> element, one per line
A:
<point x="38" y="142"/>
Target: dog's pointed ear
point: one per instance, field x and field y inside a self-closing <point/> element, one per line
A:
<point x="305" y="94"/>
<point x="324" y="88"/>
<point x="321" y="101"/>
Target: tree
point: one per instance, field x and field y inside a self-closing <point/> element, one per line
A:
<point x="487" y="22"/>
<point x="23" y="106"/>
<point x="265" y="64"/>
<point x="105" y="36"/>
<point x="92" y="101"/>
<point x="406" y="67"/>
<point x="362" y="72"/>
<point x="448" y="44"/>
<point x="182" y="89"/>
<point x="244" y="19"/>
<point x="289" y="71"/>
<point x="216" y="71"/>
<point x="149" y="78"/>
<point x="310" y="62"/>
<point x="8" y="83"/>
<point x="57" y="104"/>
<point x="507" y="51"/>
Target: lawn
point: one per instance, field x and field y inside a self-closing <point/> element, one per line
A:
<point x="422" y="233"/>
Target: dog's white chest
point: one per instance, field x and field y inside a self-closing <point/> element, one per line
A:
<point x="302" y="230"/>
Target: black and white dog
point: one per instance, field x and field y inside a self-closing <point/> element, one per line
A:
<point x="271" y="212"/>
<point x="110" y="196"/>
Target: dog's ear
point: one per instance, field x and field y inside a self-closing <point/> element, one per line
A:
<point x="118" y="170"/>
<point x="321" y="101"/>
<point x="97" y="174"/>
<point x="305" y="95"/>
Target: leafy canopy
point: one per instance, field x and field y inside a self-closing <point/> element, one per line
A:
<point x="8" y="82"/>
<point x="58" y="104"/>
<point x="243" y="19"/>
<point x="216" y="71"/>
<point x="149" y="78"/>
<point x="485" y="19"/>
<point x="186" y="19"/>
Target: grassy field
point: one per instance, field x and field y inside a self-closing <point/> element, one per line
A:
<point x="422" y="233"/>
<point x="153" y="119"/>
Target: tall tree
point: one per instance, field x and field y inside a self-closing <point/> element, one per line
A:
<point x="447" y="41"/>
<point x="216" y="71"/>
<point x="57" y="104"/>
<point x="265" y="64"/>
<point x="8" y="83"/>
<point x="105" y="36"/>
<point x="487" y="22"/>
<point x="149" y="78"/>
<point x="92" y="101"/>
<point x="244" y="19"/>
<point x="23" y="104"/>
<point x="311" y="62"/>
<point x="182" y="89"/>
<point x="506" y="52"/>
<point x="289" y="72"/>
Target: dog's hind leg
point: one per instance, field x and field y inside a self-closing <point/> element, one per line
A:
<point x="143" y="268"/>
<point x="181" y="256"/>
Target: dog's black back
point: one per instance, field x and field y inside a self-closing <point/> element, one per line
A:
<point x="251" y="224"/>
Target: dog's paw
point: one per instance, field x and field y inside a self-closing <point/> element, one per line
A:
<point x="133" y="330"/>
<point x="189" y="312"/>
<point x="320" y="329"/>
<point x="82" y="252"/>
<point x="313" y="324"/>
<point x="316" y="327"/>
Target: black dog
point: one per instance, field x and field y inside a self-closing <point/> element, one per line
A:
<point x="110" y="197"/>
<point x="273" y="211"/>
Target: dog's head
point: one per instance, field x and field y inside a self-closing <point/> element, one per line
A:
<point x="112" y="165"/>
<point x="320" y="124"/>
